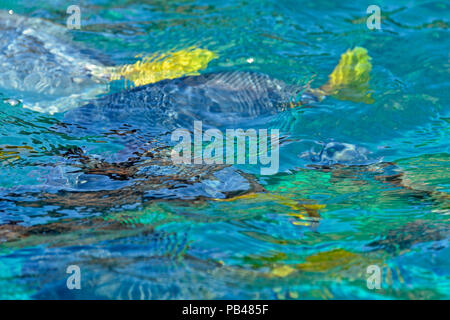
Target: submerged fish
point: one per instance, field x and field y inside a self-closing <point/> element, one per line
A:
<point x="41" y="66"/>
<point x="141" y="119"/>
<point x="224" y="98"/>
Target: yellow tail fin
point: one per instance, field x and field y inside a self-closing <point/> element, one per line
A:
<point x="350" y="79"/>
<point x="166" y="66"/>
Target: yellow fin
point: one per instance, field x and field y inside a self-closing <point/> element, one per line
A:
<point x="350" y="78"/>
<point x="324" y="261"/>
<point x="282" y="271"/>
<point x="312" y="210"/>
<point x="9" y="154"/>
<point x="166" y="66"/>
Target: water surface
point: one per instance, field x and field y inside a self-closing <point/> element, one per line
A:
<point x="315" y="231"/>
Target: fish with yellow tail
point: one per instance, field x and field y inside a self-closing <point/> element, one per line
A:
<point x="48" y="72"/>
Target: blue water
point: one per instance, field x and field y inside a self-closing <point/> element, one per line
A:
<point x="315" y="230"/>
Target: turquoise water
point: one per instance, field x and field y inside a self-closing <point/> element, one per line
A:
<point x="315" y="230"/>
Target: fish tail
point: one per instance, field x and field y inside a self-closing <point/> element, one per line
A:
<point x="350" y="78"/>
<point x="170" y="65"/>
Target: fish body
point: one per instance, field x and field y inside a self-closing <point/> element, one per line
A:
<point x="217" y="99"/>
<point x="41" y="65"/>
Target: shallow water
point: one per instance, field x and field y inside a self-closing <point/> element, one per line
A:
<point x="313" y="233"/>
